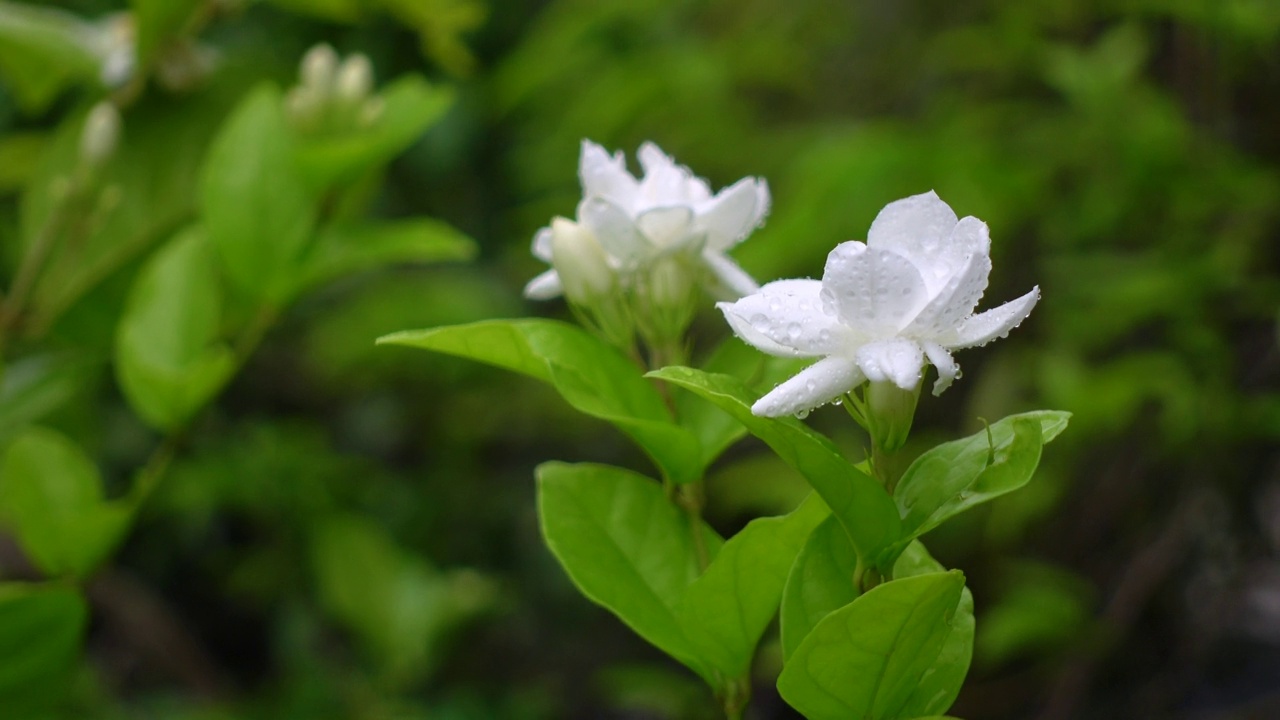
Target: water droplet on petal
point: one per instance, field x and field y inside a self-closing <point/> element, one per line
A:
<point x="775" y="304"/>
<point x="759" y="323"/>
<point x="793" y="331"/>
<point x="824" y="335"/>
<point x="802" y="414"/>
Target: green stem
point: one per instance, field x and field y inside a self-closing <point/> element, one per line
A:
<point x="690" y="498"/>
<point x="33" y="261"/>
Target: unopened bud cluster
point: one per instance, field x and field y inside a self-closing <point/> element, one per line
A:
<point x="333" y="95"/>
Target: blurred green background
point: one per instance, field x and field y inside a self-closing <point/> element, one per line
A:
<point x="349" y="532"/>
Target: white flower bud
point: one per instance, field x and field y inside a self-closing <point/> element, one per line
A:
<point x="890" y="410"/>
<point x="115" y="42"/>
<point x="101" y="134"/>
<point x="581" y="263"/>
<point x="355" y="79"/>
<point x="318" y="67"/>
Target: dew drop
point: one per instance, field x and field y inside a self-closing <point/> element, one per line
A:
<point x="802" y="414"/>
<point x="775" y="304"/>
<point x="793" y="331"/>
<point x="824" y="335"/>
<point x="759" y="323"/>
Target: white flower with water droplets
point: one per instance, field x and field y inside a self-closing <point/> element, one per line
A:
<point x="881" y="308"/>
<point x="667" y="212"/>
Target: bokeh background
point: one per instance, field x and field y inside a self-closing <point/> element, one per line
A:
<point x="349" y="530"/>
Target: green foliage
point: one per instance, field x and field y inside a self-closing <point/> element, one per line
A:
<point x="726" y="610"/>
<point x="159" y="20"/>
<point x="408" y="107"/>
<point x="400" y="607"/>
<point x="955" y="476"/>
<point x="168" y="354"/>
<point x="257" y="210"/>
<point x="51" y="499"/>
<point x="868" y="658"/>
<point x="590" y="375"/>
<point x="343" y="250"/>
<point x="627" y="548"/>
<point x="821" y="581"/>
<point x="861" y="505"/>
<point x="43" y="51"/>
<point x="41" y="628"/>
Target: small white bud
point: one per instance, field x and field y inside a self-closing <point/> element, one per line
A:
<point x="581" y="263"/>
<point x="890" y="410"/>
<point x="114" y="42"/>
<point x="318" y="67"/>
<point x="355" y="79"/>
<point x="101" y="133"/>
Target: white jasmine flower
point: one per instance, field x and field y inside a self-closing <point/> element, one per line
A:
<point x="669" y="211"/>
<point x="881" y="308"/>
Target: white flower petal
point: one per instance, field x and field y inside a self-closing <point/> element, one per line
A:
<point x="818" y="384"/>
<point x="984" y="327"/>
<point x="914" y="227"/>
<point x="875" y="291"/>
<point x="544" y="287"/>
<point x="946" y="365"/>
<point x="953" y="302"/>
<point x="666" y="227"/>
<point x="785" y="318"/>
<point x="897" y="360"/>
<point x="542" y="244"/>
<point x="666" y="183"/>
<point x="615" y="230"/>
<point x="732" y="214"/>
<point x="606" y="175"/>
<point x="730" y="282"/>
<point x="941" y="264"/>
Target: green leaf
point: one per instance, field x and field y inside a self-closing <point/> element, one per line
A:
<point x="862" y="506"/>
<point x="626" y="547"/>
<point x="20" y="155"/>
<point x="399" y="606"/>
<point x="866" y="659"/>
<point x="592" y="376"/>
<point x="715" y="429"/>
<point x="957" y="475"/>
<point x="820" y="582"/>
<point x="940" y="685"/>
<point x="37" y="385"/>
<point x="410" y="106"/>
<point x="728" y="608"/>
<point x="51" y="497"/>
<point x="43" y="51"/>
<point x="168" y="357"/>
<point x="253" y="202"/>
<point x="41" y="630"/>
<point x="347" y="249"/>
<point x="158" y="21"/>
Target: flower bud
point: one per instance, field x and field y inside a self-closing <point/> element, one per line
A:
<point x="101" y="134"/>
<point x="890" y="410"/>
<point x="581" y="263"/>
<point x="355" y="79"/>
<point x="318" y="67"/>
